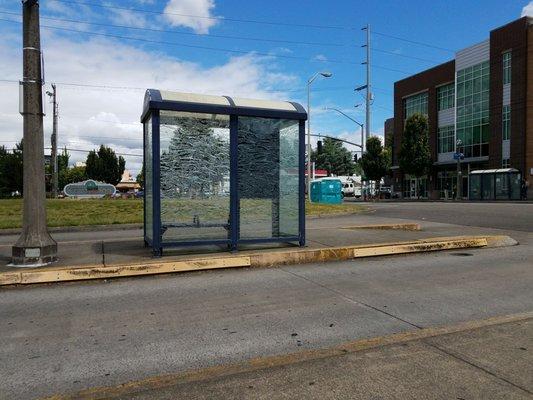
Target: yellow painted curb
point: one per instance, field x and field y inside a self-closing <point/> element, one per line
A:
<point x="104" y="272"/>
<point x="404" y="227"/>
<point x="266" y="259"/>
<point x="265" y="362"/>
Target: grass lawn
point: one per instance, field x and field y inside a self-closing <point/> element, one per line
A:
<point x="66" y="212"/>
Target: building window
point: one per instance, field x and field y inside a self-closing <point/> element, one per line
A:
<point x="506" y="67"/>
<point x="506" y="163"/>
<point x="446" y="97"/>
<point x="446" y="139"/>
<point x="415" y="104"/>
<point x="506" y="122"/>
<point x="472" y="106"/>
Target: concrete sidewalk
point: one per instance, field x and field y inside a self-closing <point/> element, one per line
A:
<point x="489" y="359"/>
<point x="328" y="239"/>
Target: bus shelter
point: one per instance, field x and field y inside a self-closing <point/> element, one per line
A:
<point x="494" y="184"/>
<point x="222" y="171"/>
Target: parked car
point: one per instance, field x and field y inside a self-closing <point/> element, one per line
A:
<point x="385" y="192"/>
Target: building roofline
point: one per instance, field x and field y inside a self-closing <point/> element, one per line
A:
<point x="425" y="71"/>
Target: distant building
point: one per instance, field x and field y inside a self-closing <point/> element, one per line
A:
<point x="127" y="183"/>
<point x="482" y="98"/>
<point x="80" y="164"/>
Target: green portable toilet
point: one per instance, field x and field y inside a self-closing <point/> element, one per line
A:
<point x="327" y="190"/>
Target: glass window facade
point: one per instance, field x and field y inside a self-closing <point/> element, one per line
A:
<point x="417" y="103"/>
<point x="506" y="163"/>
<point x="473" y="110"/>
<point x="446" y="139"/>
<point x="506" y="57"/>
<point x="446" y="97"/>
<point x="506" y="122"/>
<point x="447" y="184"/>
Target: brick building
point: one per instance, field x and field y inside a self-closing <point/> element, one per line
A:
<point x="479" y="104"/>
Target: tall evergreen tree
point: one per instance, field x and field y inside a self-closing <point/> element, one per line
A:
<point x="334" y="157"/>
<point x="415" y="153"/>
<point x="11" y="170"/>
<point x="374" y="161"/>
<point x="104" y="165"/>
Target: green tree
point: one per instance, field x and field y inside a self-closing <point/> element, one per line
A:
<point x="104" y="165"/>
<point x="11" y="170"/>
<point x="334" y="157"/>
<point x="140" y="177"/>
<point x="375" y="162"/>
<point x="71" y="175"/>
<point x="415" y="153"/>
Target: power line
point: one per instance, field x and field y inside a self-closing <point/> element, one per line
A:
<point x="412" y="41"/>
<point x="213" y="18"/>
<point x="112" y="87"/>
<point x="245" y="52"/>
<point x="392" y="53"/>
<point x="186" y="33"/>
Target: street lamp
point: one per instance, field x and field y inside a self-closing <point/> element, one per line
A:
<point x="458" y="155"/>
<point x="325" y="74"/>
<point x="362" y="134"/>
<point x="353" y="120"/>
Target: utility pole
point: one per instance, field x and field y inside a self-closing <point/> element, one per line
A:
<point x="369" y="95"/>
<point x="53" y="155"/>
<point x="35" y="247"/>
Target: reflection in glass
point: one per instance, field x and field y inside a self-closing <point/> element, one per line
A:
<point x="148" y="179"/>
<point x="268" y="177"/>
<point x="194" y="176"/>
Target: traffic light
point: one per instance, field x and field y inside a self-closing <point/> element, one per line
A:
<point x="319" y="146"/>
<point x="355" y="159"/>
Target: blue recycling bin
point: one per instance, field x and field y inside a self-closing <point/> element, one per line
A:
<point x="327" y="191"/>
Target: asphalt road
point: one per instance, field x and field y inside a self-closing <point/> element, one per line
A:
<point x="513" y="216"/>
<point x="64" y="338"/>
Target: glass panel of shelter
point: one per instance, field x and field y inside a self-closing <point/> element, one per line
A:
<point x="194" y="176"/>
<point x="148" y="180"/>
<point x="268" y="177"/>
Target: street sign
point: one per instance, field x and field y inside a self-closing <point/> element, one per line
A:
<point x="89" y="189"/>
<point x="458" y="156"/>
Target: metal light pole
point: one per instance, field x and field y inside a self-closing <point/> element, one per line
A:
<point x="35" y="247"/>
<point x="55" y="177"/>
<point x="353" y="120"/>
<point x="459" y="172"/>
<point x="368" y="85"/>
<point x="309" y="82"/>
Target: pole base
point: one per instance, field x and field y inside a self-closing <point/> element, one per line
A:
<point x="32" y="256"/>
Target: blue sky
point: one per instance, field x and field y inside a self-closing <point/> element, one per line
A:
<point x="276" y="66"/>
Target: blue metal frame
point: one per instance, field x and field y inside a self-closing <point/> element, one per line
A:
<point x="153" y="103"/>
<point x="144" y="179"/>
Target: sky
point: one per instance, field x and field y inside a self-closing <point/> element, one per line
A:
<point x="103" y="54"/>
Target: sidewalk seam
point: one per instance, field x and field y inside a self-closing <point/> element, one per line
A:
<point x="352" y="300"/>
<point x="473" y="364"/>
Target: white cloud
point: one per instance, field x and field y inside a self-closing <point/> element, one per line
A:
<point x="320" y="57"/>
<point x="129" y="18"/>
<point x="194" y="14"/>
<point x="89" y="117"/>
<point x="527" y="11"/>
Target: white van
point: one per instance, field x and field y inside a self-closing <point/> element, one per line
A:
<point x="350" y="187"/>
